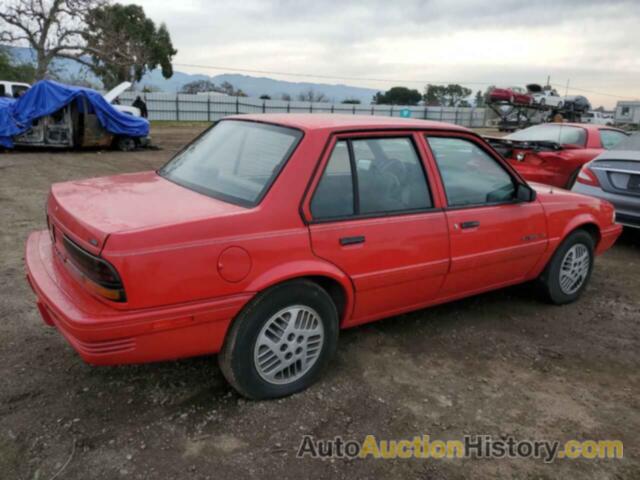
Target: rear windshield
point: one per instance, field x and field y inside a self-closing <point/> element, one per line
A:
<point x="632" y="142"/>
<point x="235" y="161"/>
<point x="561" y="134"/>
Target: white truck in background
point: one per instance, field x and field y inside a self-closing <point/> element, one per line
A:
<point x="598" y="118"/>
<point x="12" y="89"/>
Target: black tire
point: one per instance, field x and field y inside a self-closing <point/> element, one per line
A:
<point x="236" y="358"/>
<point x="125" y="144"/>
<point x="550" y="278"/>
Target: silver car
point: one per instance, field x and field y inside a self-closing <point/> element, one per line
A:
<point x="614" y="175"/>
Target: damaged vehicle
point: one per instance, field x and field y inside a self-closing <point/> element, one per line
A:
<point x="554" y="153"/>
<point x="55" y="115"/>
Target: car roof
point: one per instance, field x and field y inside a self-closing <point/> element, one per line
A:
<point x="587" y="126"/>
<point x="341" y="122"/>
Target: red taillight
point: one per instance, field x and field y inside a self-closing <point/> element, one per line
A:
<point x="95" y="273"/>
<point x="587" y="177"/>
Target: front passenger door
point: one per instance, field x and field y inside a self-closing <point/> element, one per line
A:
<point x="495" y="239"/>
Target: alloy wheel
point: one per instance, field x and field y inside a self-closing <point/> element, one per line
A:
<point x="289" y="344"/>
<point x="574" y="268"/>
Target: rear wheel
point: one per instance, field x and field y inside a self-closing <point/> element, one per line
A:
<point x="569" y="270"/>
<point x="281" y="342"/>
<point x="125" y="144"/>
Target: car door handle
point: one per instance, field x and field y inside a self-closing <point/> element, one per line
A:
<point x="470" y="224"/>
<point x="351" y="240"/>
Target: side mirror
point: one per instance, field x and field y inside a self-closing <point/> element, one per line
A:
<point x="524" y="193"/>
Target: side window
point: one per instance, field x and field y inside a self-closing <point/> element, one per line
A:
<point x="390" y="176"/>
<point x="2" y="90"/>
<point x="611" y="138"/>
<point x="470" y="175"/>
<point x="333" y="197"/>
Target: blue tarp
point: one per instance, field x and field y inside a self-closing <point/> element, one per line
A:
<point x="47" y="97"/>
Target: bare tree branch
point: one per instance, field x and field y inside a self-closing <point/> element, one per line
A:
<point x="49" y="27"/>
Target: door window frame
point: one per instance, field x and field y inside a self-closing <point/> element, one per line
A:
<point x="334" y="138"/>
<point x="491" y="153"/>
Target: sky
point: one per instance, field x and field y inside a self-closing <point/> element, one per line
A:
<point x="580" y="44"/>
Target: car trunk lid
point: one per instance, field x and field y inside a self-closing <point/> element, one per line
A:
<point x="88" y="211"/>
<point x="621" y="176"/>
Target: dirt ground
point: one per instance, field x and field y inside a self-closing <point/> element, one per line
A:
<point x="502" y="363"/>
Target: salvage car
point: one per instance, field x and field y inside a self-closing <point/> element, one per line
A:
<point x="545" y="96"/>
<point x="55" y="115"/>
<point x="268" y="234"/>
<point x="577" y="104"/>
<point x="554" y="153"/>
<point x="614" y="175"/>
<point x="511" y="95"/>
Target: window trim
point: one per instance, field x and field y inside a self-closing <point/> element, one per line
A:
<point x="230" y="198"/>
<point x="354" y="176"/>
<point x="514" y="178"/>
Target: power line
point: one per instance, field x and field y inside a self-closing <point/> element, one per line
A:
<point x="373" y="79"/>
<point x="328" y="77"/>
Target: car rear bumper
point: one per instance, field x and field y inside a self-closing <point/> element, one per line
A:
<point x="627" y="207"/>
<point x="104" y="336"/>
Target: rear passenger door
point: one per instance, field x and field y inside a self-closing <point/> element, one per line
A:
<point x="372" y="213"/>
<point x="495" y="239"/>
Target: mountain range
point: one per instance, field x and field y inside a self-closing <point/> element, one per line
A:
<point x="70" y="71"/>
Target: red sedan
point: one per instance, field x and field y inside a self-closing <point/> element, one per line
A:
<point x="554" y="153"/>
<point x="511" y="95"/>
<point x="269" y="233"/>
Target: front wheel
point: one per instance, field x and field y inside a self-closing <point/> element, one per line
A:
<point x="569" y="270"/>
<point x="281" y="342"/>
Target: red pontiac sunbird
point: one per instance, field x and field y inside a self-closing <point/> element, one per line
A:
<point x="268" y="234"/>
<point x="554" y="153"/>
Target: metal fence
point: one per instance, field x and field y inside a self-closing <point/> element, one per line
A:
<point x="209" y="108"/>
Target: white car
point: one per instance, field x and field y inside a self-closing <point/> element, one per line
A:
<point x="13" y="89"/>
<point x="598" y="118"/>
<point x="545" y="96"/>
<point x="111" y="95"/>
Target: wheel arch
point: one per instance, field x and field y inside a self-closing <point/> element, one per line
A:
<point x="328" y="277"/>
<point x="589" y="225"/>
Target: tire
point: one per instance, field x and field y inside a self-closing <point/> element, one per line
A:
<point x="254" y="352"/>
<point x="125" y="144"/>
<point x="557" y="286"/>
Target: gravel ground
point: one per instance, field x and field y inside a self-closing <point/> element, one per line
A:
<point x="502" y="363"/>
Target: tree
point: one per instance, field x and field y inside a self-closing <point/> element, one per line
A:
<point x="230" y="90"/>
<point x="52" y="28"/>
<point x="446" y="96"/>
<point x="479" y="100"/>
<point x="198" y="86"/>
<point x="124" y="44"/>
<point x="264" y="96"/>
<point x="351" y="101"/>
<point x="398" y="96"/>
<point x="11" y="71"/>
<point x="312" y="96"/>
